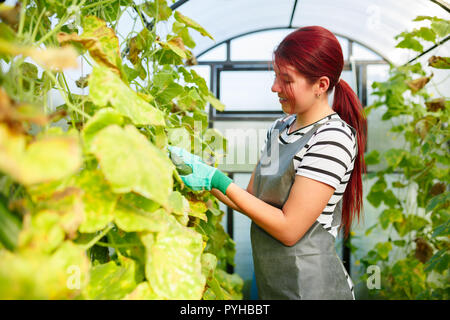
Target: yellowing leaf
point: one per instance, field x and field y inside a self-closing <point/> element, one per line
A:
<point x="55" y="58"/>
<point x="439" y="62"/>
<point x="101" y="42"/>
<point x="417" y="84"/>
<point x="110" y="281"/>
<point x="131" y="163"/>
<point x="142" y="292"/>
<point x="31" y="275"/>
<point x="52" y="58"/>
<point x="173" y="266"/>
<point x="98" y="199"/>
<point x="107" y="88"/>
<point x="47" y="159"/>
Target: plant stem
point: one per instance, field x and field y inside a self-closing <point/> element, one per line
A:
<point x="33" y="36"/>
<point x="22" y="17"/>
<point x="97" y="3"/>
<point x="69" y="104"/>
<point x="98" y="237"/>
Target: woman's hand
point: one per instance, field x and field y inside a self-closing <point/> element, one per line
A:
<point x="203" y="177"/>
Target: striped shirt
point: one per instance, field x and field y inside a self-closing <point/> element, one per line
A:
<point x="327" y="157"/>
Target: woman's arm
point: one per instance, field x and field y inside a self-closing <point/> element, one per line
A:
<point x="227" y="201"/>
<point x="305" y="203"/>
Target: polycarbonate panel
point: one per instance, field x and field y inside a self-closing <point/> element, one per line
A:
<point x="257" y="46"/>
<point x="225" y="19"/>
<point x="260" y="46"/>
<point x="371" y="23"/>
<point x="248" y="91"/>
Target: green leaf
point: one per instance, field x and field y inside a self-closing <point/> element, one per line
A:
<point x="110" y="281"/>
<point x="410" y="43"/>
<point x="394" y="157"/>
<point x="44" y="233"/>
<point x="442" y="230"/>
<point x="232" y="283"/>
<point x="101" y="119"/>
<point x="389" y="216"/>
<point x="436" y="201"/>
<point x="442" y="27"/>
<point x="107" y="88"/>
<point x="179" y="205"/>
<point x="173" y="266"/>
<point x="132" y="220"/>
<point x="383" y="249"/>
<point x="131" y="163"/>
<point x="372" y="158"/>
<point x="192" y="24"/>
<point x="10" y="225"/>
<point x="426" y="34"/>
<point x="440" y="262"/>
<point x="143" y="291"/>
<point x="46" y="159"/>
<point x="157" y="9"/>
<point x="215" y="102"/>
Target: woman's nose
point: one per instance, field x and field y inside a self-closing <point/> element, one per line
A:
<point x="275" y="86"/>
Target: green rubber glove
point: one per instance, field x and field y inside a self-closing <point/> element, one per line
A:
<point x="203" y="177"/>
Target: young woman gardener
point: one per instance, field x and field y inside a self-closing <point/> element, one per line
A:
<point x="308" y="180"/>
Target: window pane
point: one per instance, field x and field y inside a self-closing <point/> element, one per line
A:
<point x="248" y="91"/>
<point x="217" y="54"/>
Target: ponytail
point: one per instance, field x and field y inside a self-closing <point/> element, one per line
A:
<point x="347" y="105"/>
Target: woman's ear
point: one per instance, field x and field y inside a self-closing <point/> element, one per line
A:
<point x="322" y="85"/>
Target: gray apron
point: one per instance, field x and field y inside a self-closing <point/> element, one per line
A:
<point x="310" y="269"/>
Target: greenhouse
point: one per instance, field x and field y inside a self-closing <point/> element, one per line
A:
<point x="138" y="141"/>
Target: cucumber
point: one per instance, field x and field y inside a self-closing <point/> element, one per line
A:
<point x="10" y="225"/>
<point x="182" y="168"/>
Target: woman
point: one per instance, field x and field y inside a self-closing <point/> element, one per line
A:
<point x="307" y="183"/>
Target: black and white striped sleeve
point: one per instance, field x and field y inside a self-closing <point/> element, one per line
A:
<point x="330" y="154"/>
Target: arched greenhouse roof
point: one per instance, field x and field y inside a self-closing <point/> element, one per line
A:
<point x="373" y="24"/>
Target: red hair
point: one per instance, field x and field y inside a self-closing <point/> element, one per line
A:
<point x="315" y="52"/>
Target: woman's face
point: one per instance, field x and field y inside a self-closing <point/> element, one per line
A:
<point x="288" y="80"/>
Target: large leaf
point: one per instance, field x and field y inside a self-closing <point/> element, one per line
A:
<point x="33" y="275"/>
<point x="98" y="199"/>
<point x="107" y="88"/>
<point x="110" y="281"/>
<point x="131" y="163"/>
<point x="101" y="42"/>
<point x="133" y="220"/>
<point x="102" y="119"/>
<point x="173" y="267"/>
<point x="46" y="159"/>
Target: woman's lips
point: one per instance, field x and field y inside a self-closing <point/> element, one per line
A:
<point x="282" y="100"/>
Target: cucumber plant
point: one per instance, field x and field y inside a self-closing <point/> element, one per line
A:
<point x="91" y="204"/>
